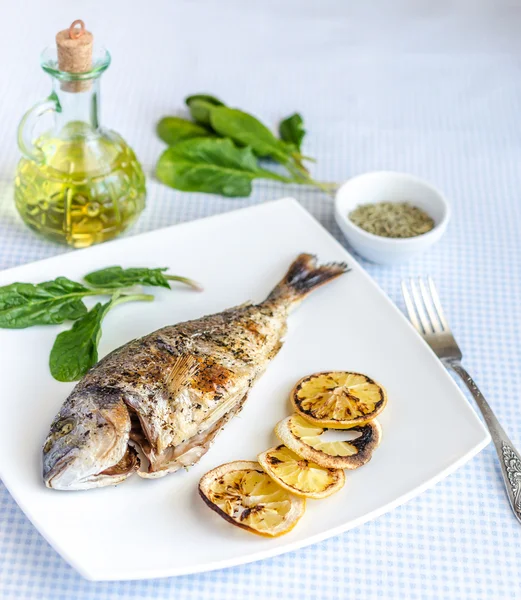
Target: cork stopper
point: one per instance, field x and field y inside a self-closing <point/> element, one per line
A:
<point x="75" y="54"/>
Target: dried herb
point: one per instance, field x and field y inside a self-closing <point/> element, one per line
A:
<point x="392" y="219"/>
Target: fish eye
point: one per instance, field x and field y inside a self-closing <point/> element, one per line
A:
<point x="60" y="429"/>
<point x="63" y="427"/>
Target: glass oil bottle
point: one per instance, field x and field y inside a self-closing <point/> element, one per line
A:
<point x="77" y="183"/>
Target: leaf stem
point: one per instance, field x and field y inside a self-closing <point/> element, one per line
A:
<point x="299" y="164"/>
<point x="328" y="188"/>
<point x="304" y="157"/>
<point x="299" y="172"/>
<point x="303" y="178"/>
<point x="121" y="299"/>
<point x="103" y="291"/>
<point x="193" y="284"/>
<point x="265" y="174"/>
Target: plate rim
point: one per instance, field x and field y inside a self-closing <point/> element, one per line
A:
<point x="97" y="575"/>
<point x="297" y="545"/>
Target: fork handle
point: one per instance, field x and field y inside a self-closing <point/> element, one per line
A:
<point x="509" y="457"/>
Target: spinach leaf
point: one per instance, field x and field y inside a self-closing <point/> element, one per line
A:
<point x="205" y="98"/>
<point x="117" y="277"/>
<point x="200" y="106"/>
<point x="246" y="130"/>
<point x="292" y="130"/>
<point x="200" y="111"/>
<point x="213" y="166"/>
<point x="75" y="351"/>
<point x="47" y="303"/>
<point x="174" y="129"/>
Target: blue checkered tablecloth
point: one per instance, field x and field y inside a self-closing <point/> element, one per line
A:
<point x="431" y="89"/>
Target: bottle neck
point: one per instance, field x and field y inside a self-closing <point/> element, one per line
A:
<point x="77" y="111"/>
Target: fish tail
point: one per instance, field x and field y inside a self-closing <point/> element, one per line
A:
<point x="303" y="277"/>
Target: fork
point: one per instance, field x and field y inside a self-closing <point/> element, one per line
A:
<point x="426" y="314"/>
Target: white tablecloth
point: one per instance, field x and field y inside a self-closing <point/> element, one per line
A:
<point x="433" y="88"/>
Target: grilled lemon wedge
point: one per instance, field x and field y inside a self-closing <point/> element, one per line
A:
<point x="338" y="399"/>
<point x="243" y="494"/>
<point x="306" y="440"/>
<point x="300" y="476"/>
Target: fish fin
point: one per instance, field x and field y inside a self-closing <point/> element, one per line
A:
<point x="303" y="277"/>
<point x="126" y="466"/>
<point x="183" y="369"/>
<point x="275" y="350"/>
<point x="190" y="452"/>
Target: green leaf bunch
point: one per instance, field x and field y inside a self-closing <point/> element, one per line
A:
<point x="218" y="151"/>
<point x="75" y="351"/>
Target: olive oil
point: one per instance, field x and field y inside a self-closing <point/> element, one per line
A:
<point x="86" y="190"/>
<point x="78" y="183"/>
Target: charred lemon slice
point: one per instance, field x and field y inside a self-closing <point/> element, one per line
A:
<point x="307" y="440"/>
<point x="300" y="476"/>
<point x="338" y="399"/>
<point x="243" y="494"/>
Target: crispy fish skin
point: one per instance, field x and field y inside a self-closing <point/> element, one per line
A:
<point x="170" y="392"/>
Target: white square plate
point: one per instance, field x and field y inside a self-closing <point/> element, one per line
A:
<point x="156" y="528"/>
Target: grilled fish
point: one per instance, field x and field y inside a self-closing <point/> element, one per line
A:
<point x="156" y="404"/>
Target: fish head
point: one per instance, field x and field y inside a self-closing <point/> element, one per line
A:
<point x="88" y="443"/>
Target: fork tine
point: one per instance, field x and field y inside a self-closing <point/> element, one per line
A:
<point x="437" y="304"/>
<point x="410" y="307"/>
<point x="427" y="327"/>
<point x="430" y="308"/>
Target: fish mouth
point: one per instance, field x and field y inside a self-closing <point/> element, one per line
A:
<point x="58" y="468"/>
<point x="112" y="475"/>
<point x="105" y="459"/>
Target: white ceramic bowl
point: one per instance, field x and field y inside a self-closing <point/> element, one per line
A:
<point x="389" y="186"/>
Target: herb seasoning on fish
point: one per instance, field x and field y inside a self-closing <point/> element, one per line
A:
<point x="169" y="393"/>
<point x="392" y="219"/>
